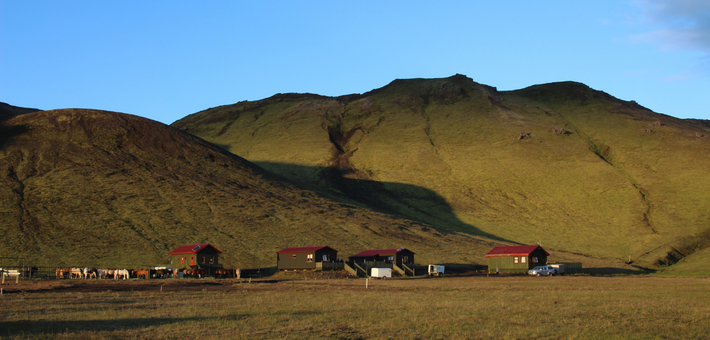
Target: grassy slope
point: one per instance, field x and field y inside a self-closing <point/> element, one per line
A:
<point x="446" y="152"/>
<point x="95" y="188"/>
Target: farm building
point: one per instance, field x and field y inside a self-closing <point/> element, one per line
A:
<point x="196" y="256"/>
<point x="516" y="259"/>
<point x="299" y="258"/>
<point x="397" y="256"/>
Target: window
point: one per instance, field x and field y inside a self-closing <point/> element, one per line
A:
<point x="534" y="259"/>
<point x="326" y="258"/>
<point x="309" y="258"/>
<point x="182" y="259"/>
<point x="203" y="260"/>
<point x="523" y="259"/>
<point x="515" y="259"/>
<point x="405" y="259"/>
<point x="212" y="260"/>
<point x="293" y="256"/>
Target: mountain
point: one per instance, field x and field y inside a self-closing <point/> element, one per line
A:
<point x="562" y="164"/>
<point x="96" y="188"/>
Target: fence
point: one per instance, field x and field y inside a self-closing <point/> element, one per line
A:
<point x="330" y="265"/>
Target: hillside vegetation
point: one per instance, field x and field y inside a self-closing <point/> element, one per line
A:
<point x="96" y="188"/>
<point x="562" y="164"/>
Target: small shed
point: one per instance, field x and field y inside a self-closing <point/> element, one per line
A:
<point x="396" y="256"/>
<point x="300" y="258"/>
<point x="196" y="256"/>
<point x="516" y="259"/>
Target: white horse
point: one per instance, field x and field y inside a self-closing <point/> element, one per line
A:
<point x="78" y="272"/>
<point x="101" y="273"/>
<point x="123" y="273"/>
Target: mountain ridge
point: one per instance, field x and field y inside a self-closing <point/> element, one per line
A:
<point x="466" y="135"/>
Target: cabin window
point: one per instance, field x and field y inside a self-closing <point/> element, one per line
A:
<point x="534" y="259"/>
<point x="522" y="259"/>
<point x="515" y="259"/>
<point x="212" y="260"/>
<point x="293" y="256"/>
<point x="309" y="258"/>
<point x="326" y="258"/>
<point x="390" y="258"/>
<point x="203" y="260"/>
<point x="182" y="259"/>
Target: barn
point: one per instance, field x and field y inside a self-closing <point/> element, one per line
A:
<point x="516" y="259"/>
<point x="397" y="256"/>
<point x="300" y="258"/>
<point x="196" y="256"/>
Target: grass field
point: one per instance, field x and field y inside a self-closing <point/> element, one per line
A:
<point x="574" y="307"/>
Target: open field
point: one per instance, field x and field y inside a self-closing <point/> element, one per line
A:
<point x="514" y="307"/>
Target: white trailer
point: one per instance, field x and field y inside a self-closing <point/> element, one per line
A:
<point x="436" y="270"/>
<point x="559" y="268"/>
<point x="381" y="272"/>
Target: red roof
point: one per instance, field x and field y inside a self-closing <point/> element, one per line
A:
<point x="375" y="252"/>
<point x="514" y="251"/>
<point x="192" y="249"/>
<point x="303" y="249"/>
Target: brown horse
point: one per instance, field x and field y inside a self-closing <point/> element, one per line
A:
<point x="145" y="273"/>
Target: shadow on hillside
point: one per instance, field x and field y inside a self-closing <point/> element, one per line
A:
<point x="402" y="200"/>
<point x="9" y="132"/>
<point x="25" y="328"/>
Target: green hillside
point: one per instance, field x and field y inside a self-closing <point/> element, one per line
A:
<point x="562" y="164"/>
<point x="96" y="188"/>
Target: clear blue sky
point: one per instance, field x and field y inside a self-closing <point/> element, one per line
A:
<point x="167" y="59"/>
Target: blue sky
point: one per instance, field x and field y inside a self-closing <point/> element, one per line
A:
<point x="166" y="59"/>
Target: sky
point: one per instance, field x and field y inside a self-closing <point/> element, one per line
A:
<point x="165" y="60"/>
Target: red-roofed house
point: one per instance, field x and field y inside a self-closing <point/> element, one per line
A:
<point x="300" y="258"/>
<point x="516" y="259"/>
<point x="204" y="256"/>
<point x="397" y="256"/>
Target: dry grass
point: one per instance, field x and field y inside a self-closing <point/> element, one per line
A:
<point x="578" y="307"/>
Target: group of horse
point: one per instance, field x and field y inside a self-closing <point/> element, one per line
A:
<point x="125" y="274"/>
<point x="92" y="273"/>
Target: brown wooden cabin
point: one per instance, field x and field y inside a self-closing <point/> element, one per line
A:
<point x="301" y="258"/>
<point x="396" y="256"/>
<point x="516" y="259"/>
<point x="196" y="256"/>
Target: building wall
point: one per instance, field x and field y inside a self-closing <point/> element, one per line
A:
<point x="406" y="257"/>
<point x="506" y="264"/>
<point x="331" y="254"/>
<point x="205" y="254"/>
<point x="286" y="261"/>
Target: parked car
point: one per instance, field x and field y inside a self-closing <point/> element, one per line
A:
<point x="543" y="271"/>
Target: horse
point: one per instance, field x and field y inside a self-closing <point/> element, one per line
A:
<point x="78" y="272"/>
<point x="101" y="273"/>
<point x="123" y="273"/>
<point x="62" y="272"/>
<point x="163" y="272"/>
<point x="111" y="272"/>
<point x="145" y="273"/>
